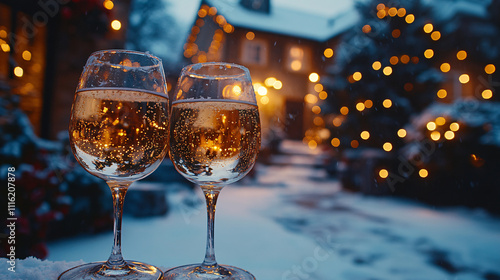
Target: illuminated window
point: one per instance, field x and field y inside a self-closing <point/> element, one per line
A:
<point x="298" y="58"/>
<point x="254" y="52"/>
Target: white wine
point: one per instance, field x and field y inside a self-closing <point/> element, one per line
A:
<point x="119" y="134"/>
<point x="214" y="141"/>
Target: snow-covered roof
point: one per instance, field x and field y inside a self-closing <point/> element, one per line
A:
<point x="317" y="20"/>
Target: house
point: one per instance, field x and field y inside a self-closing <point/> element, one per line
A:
<point x="286" y="46"/>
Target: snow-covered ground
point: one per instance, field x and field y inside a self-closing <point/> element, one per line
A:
<point x="293" y="222"/>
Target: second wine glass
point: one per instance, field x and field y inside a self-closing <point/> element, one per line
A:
<point x="214" y="141"/>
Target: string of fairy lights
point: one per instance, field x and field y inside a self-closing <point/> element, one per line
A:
<point x="438" y="129"/>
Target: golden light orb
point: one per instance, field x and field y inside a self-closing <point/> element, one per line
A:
<point x="440" y="121"/>
<point x="387" y="103"/>
<point x="449" y="135"/>
<point x="464" y="78"/>
<point x="108" y="4"/>
<point x="318" y="87"/>
<point x="365" y="135"/>
<point x="250" y="35"/>
<point x="454" y="126"/>
<point x="335" y="142"/>
<point x="310" y="98"/>
<point x="366" y="28"/>
<point x="368" y="103"/>
<point x="383" y="173"/>
<point x="445" y="67"/>
<point x="376" y="65"/>
<point x="357" y="76"/>
<point x="323" y="95"/>
<point x="18" y="71"/>
<point x="277" y="85"/>
<point x="316" y="109"/>
<point x="269" y="82"/>
<point x="328" y="53"/>
<point x="26" y="55"/>
<point x="435" y="135"/>
<point x="387" y="146"/>
<point x="344" y="110"/>
<point x="423" y="173"/>
<point x="354" y="144"/>
<point x="429" y="53"/>
<point x="313" y="77"/>
<point x="442" y="93"/>
<point x="436" y="35"/>
<point x="264" y="100"/>
<point x="402" y="133"/>
<point x="360" y="106"/>
<point x="116" y="25"/>
<point x="428" y="28"/>
<point x="394" y="60"/>
<point x="431" y="126"/>
<point x="392" y="12"/>
<point x="410" y="18"/>
<point x="489" y="69"/>
<point x="487" y="94"/>
<point x="387" y="70"/>
<point x="461" y="55"/>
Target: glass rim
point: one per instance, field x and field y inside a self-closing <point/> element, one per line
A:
<point x="191" y="70"/>
<point x="156" y="61"/>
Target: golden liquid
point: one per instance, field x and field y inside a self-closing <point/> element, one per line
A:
<point x="119" y="134"/>
<point x="214" y="142"/>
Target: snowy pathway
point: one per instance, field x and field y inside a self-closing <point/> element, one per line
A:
<point x="295" y="223"/>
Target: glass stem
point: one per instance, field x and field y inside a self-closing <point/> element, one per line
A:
<point x="211" y="195"/>
<point x="118" y="190"/>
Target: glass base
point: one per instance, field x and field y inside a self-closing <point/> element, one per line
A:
<point x="196" y="271"/>
<point x="99" y="270"/>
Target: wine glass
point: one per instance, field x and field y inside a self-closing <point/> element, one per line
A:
<point x="119" y="132"/>
<point x="214" y="141"/>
